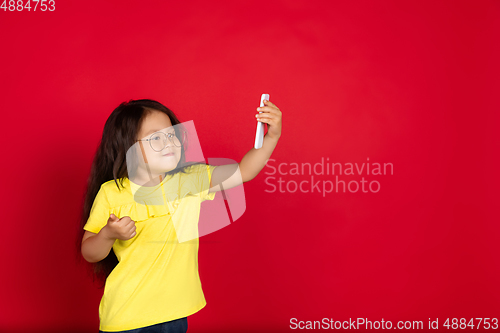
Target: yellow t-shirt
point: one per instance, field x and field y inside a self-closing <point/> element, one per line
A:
<point x="156" y="279"/>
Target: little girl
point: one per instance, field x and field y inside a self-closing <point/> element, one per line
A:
<point x="151" y="280"/>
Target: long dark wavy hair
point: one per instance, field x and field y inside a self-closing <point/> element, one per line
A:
<point x="119" y="134"/>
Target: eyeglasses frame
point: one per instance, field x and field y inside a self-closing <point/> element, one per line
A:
<point x="169" y="138"/>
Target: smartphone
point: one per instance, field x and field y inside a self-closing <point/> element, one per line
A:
<point x="259" y="135"/>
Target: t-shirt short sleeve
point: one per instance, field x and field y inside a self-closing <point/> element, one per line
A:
<point x="99" y="214"/>
<point x="204" y="177"/>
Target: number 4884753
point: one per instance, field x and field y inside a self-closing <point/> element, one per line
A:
<point x="20" y="5"/>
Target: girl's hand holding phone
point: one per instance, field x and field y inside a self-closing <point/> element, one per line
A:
<point x="271" y="115"/>
<point x="123" y="228"/>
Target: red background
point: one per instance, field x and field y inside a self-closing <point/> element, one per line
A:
<point x="414" y="84"/>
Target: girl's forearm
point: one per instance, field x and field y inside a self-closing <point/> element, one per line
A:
<point x="255" y="160"/>
<point x="97" y="247"/>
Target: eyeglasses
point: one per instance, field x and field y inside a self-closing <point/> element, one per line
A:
<point x="158" y="140"/>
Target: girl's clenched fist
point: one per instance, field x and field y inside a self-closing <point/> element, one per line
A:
<point x="123" y="228"/>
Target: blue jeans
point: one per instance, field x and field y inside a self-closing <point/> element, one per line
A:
<point x="174" y="326"/>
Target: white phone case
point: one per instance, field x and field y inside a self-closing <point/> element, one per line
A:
<point x="259" y="135"/>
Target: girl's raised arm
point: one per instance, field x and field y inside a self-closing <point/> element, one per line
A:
<point x="255" y="160"/>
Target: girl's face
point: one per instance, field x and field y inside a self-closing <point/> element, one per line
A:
<point x="159" y="162"/>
